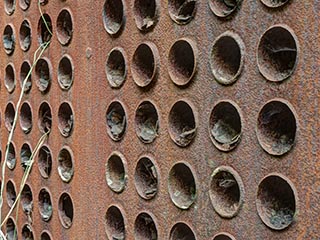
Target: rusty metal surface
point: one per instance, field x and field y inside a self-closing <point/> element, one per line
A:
<point x="151" y="185"/>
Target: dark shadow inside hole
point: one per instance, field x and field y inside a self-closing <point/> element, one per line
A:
<point x="223" y="8"/>
<point x="115" y="173"/>
<point x="27" y="200"/>
<point x="277" y="127"/>
<point x="113" y="15"/>
<point x="9" y="116"/>
<point x="226" y="58"/>
<point x="222" y="237"/>
<point x="225" y="124"/>
<point x="45" y="236"/>
<point x="66" y="119"/>
<point x="115" y="223"/>
<point x="66" y="210"/>
<point x="116" y="120"/>
<point x="182" y="186"/>
<point x="45" y="161"/>
<point x="11" y="230"/>
<point x="43" y="2"/>
<point x="25" y="155"/>
<point x="116" y="68"/>
<point x="181" y="231"/>
<point x="65" y="167"/>
<point x="25" y="69"/>
<point x="11" y="161"/>
<point x="10" y="6"/>
<point x="145" y="228"/>
<point x="146" y="178"/>
<point x="65" y="73"/>
<point x="45" y="117"/>
<point x="145" y="13"/>
<point x="44" y="29"/>
<point x="147" y="122"/>
<point x="25" y="35"/>
<point x="27" y="232"/>
<point x="45" y="205"/>
<point x="11" y="193"/>
<point x="182" y="123"/>
<point x="26" y="118"/>
<point x="10" y="78"/>
<point x="277" y="53"/>
<point x="276" y="200"/>
<point x="182" y="60"/>
<point x="64" y="27"/>
<point x="182" y="11"/>
<point x="24" y="4"/>
<point x="43" y="75"/>
<point x="8" y="40"/>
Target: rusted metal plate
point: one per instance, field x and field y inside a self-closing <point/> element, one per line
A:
<point x="170" y="119"/>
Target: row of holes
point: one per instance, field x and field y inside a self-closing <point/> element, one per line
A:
<point x="276" y="124"/>
<point x="24" y="5"/>
<point x="65" y="116"/>
<point x="276" y="196"/>
<point x="65" y="161"/>
<point x="64" y="32"/>
<point x="43" y="74"/>
<point x="146" y="12"/>
<point x="277" y="59"/>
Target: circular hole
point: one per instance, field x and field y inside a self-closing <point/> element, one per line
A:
<point x="45" y="205"/>
<point x="65" y="73"/>
<point x="224" y="8"/>
<point x="64" y="27"/>
<point x="44" y="29"/>
<point x="147" y="122"/>
<point x="223" y="236"/>
<point x="45" y="117"/>
<point x="225" y="125"/>
<point x="182" y="125"/>
<point x="43" y="2"/>
<point x="45" y="161"/>
<point x="10" y="6"/>
<point x="144" y="64"/>
<point x="146" y="178"/>
<point x="277" y="53"/>
<point x="182" y="61"/>
<point x="145" y="227"/>
<point x="65" y="210"/>
<point x="181" y="231"/>
<point x="145" y="14"/>
<point x="114" y="223"/>
<point x="113" y="16"/>
<point x="115" y="173"/>
<point x="182" y="186"/>
<point x="45" y="236"/>
<point x="25" y="35"/>
<point x="227" y="58"/>
<point x="26" y="200"/>
<point x="26" y="117"/>
<point x="226" y="191"/>
<point x="11" y="160"/>
<point x="25" y="73"/>
<point x="65" y="167"/>
<point x="9" y="116"/>
<point x="274" y="3"/>
<point x="8" y="40"/>
<point x="276" y="203"/>
<point x="24" y="4"/>
<point x="116" y="121"/>
<point x="9" y="78"/>
<point x="43" y="75"/>
<point x="116" y="69"/>
<point x="11" y="193"/>
<point x="277" y="127"/>
<point x="11" y="230"/>
<point x="66" y="119"/>
<point x="27" y="233"/>
<point x="25" y="155"/>
<point x="182" y="11"/>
